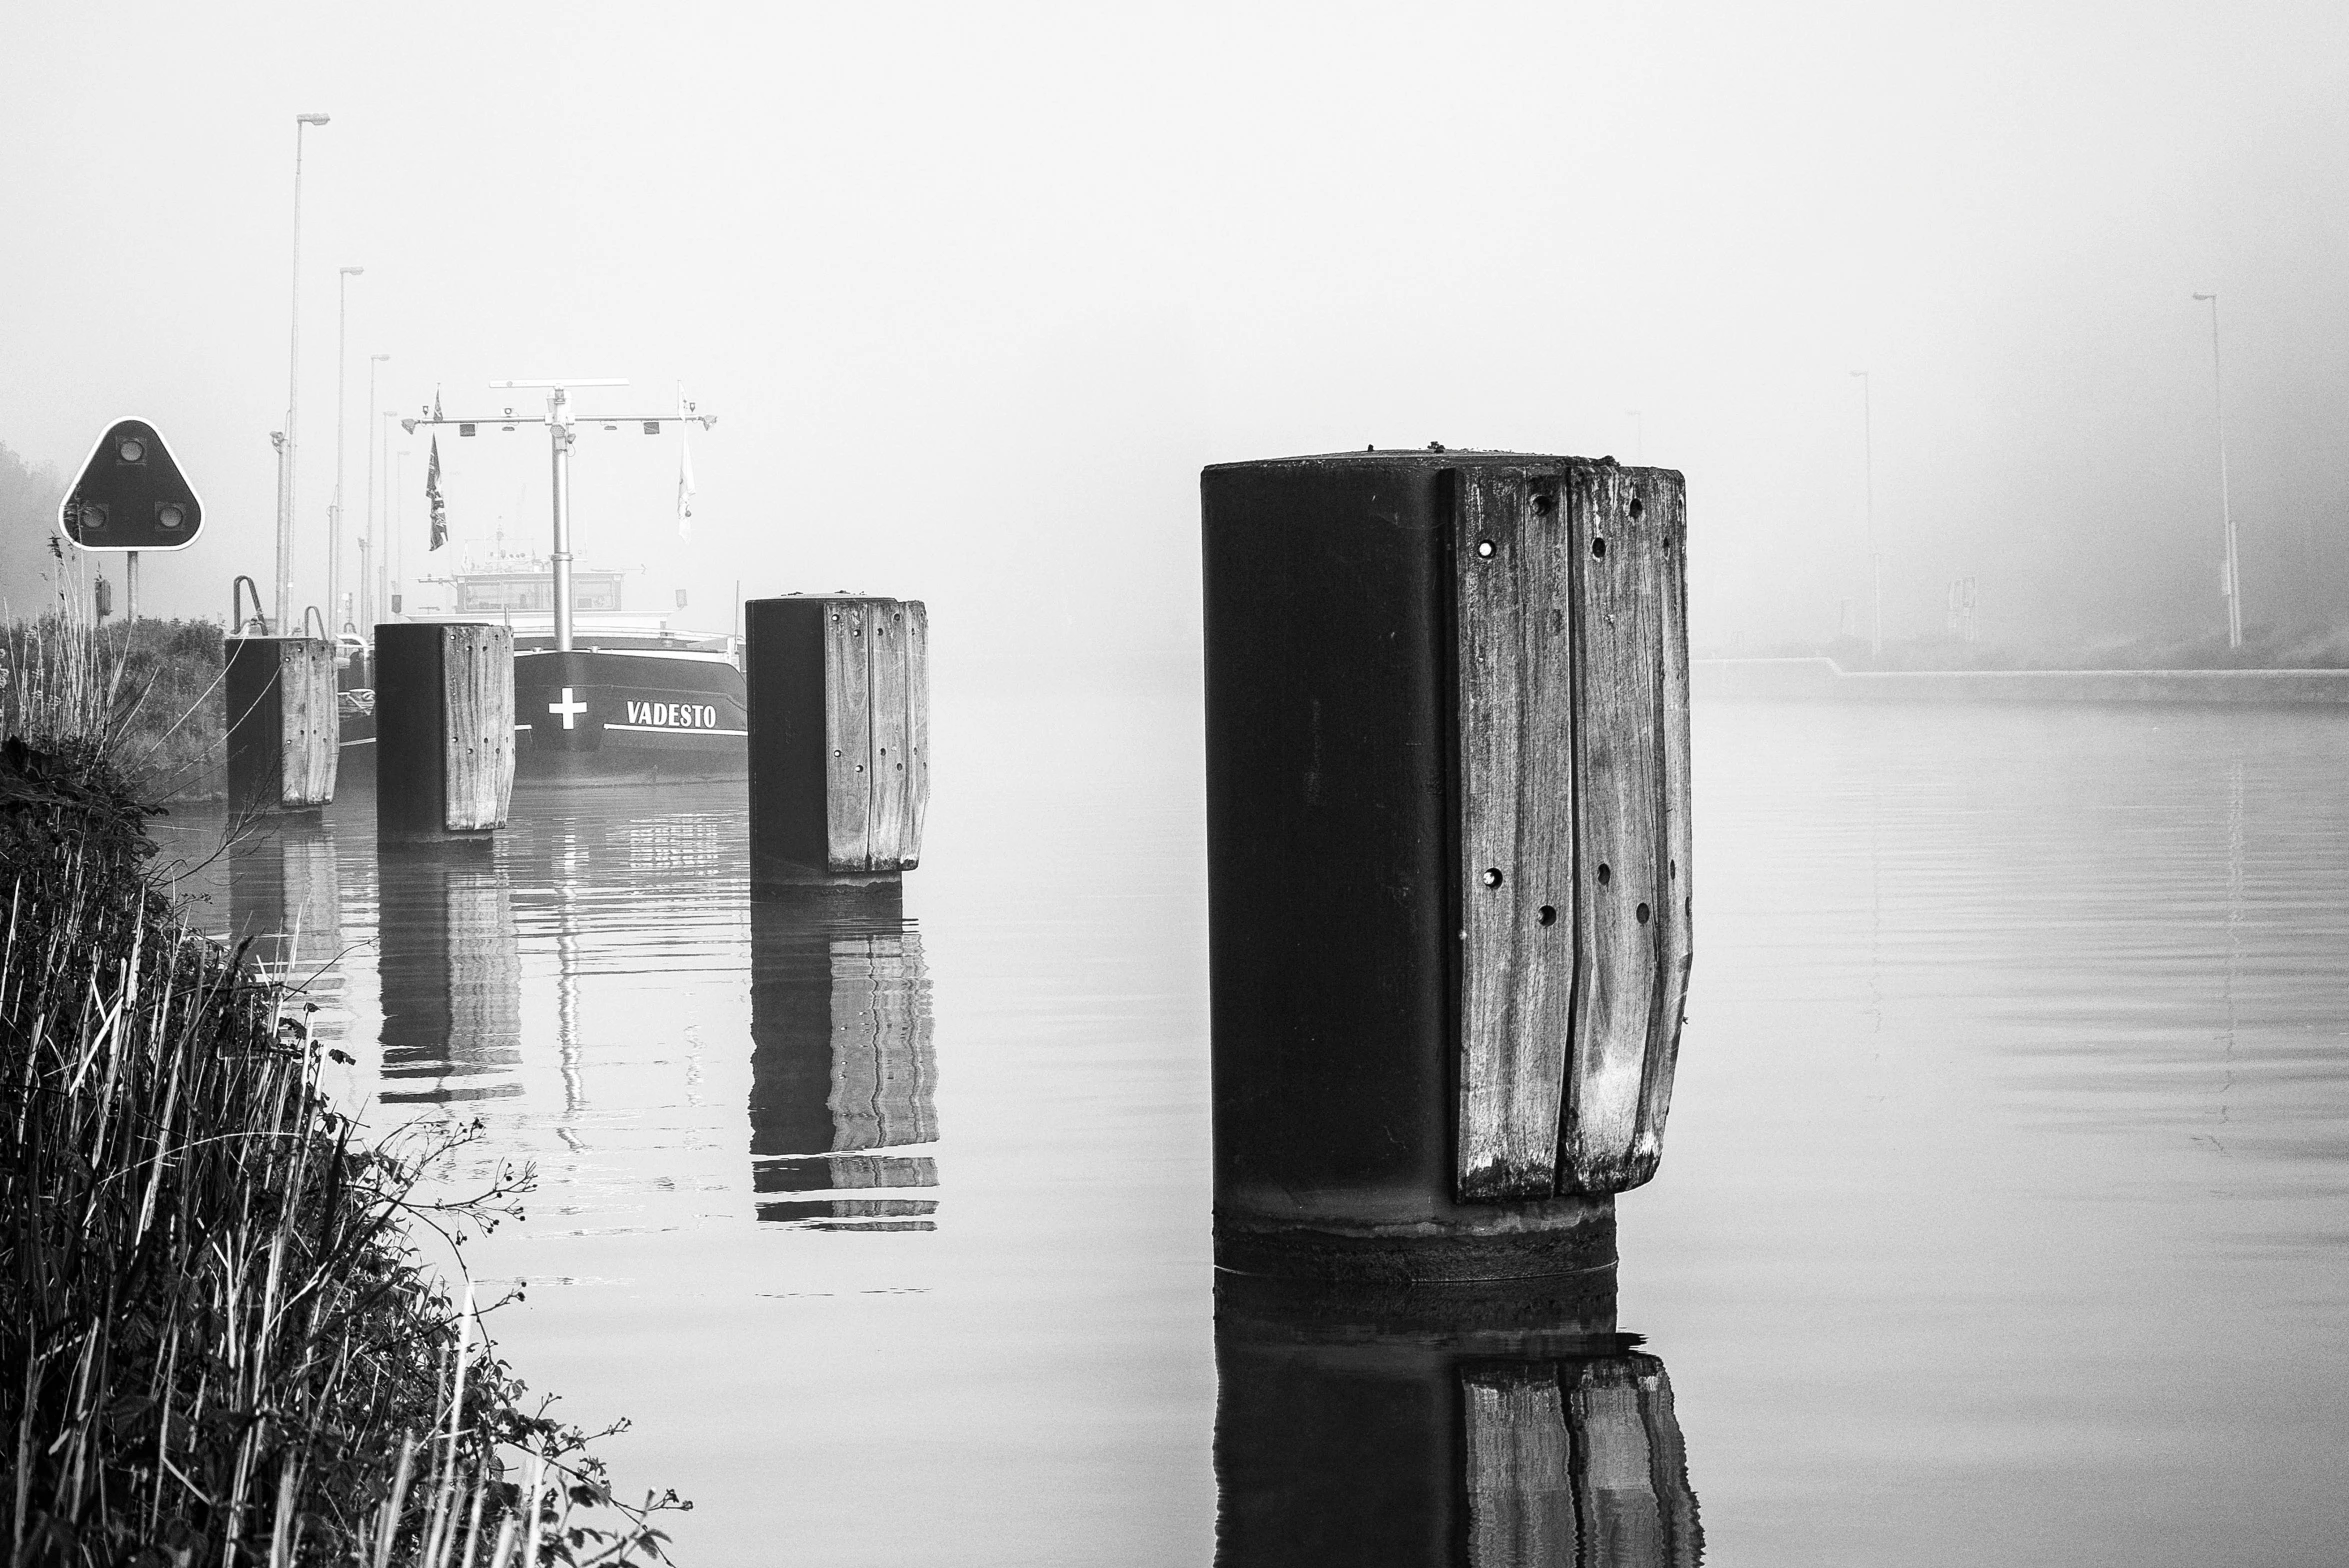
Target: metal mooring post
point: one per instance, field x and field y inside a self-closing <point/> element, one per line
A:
<point x="1448" y="857"/>
<point x="284" y="735"/>
<point x="838" y="691"/>
<point x="444" y="731"/>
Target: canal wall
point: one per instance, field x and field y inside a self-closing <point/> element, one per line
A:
<point x="1822" y="679"/>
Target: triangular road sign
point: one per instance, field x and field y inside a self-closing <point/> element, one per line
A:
<point x="131" y="495"/>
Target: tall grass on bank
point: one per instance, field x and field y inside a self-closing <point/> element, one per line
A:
<point x="219" y="1342"/>
<point x="148" y="693"/>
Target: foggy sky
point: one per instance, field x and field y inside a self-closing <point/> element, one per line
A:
<point x="975" y="291"/>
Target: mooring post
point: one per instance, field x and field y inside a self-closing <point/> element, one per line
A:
<point x="444" y="731"/>
<point x="284" y="735"/>
<point x="839" y="719"/>
<point x="1448" y="857"/>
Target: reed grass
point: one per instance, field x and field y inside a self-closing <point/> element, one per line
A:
<point x="220" y="1338"/>
<point x="148" y="694"/>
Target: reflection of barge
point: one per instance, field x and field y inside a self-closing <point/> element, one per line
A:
<point x="630" y="699"/>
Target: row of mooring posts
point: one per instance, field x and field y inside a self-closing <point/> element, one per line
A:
<point x="1449" y="870"/>
<point x="838" y="718"/>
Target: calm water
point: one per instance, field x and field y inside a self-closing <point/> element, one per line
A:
<point x="2003" y="1214"/>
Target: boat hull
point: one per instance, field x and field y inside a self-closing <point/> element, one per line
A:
<point x="591" y="715"/>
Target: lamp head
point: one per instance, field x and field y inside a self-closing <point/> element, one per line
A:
<point x="350" y="272"/>
<point x="2206" y="296"/>
<point x="379" y="358"/>
<point x="309" y="119"/>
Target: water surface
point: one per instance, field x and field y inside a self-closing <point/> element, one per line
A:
<point x="2001" y="1219"/>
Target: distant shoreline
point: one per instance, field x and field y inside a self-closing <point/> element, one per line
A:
<point x="1821" y="678"/>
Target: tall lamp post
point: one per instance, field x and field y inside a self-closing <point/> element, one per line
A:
<point x="2232" y="583"/>
<point x="374" y="429"/>
<point x="334" y="513"/>
<point x="293" y="399"/>
<point x="399" y="526"/>
<point x="1868" y="473"/>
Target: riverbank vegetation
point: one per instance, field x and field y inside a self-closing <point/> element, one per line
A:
<point x="221" y="1340"/>
<point x="2264" y="648"/>
<point x="149" y="693"/>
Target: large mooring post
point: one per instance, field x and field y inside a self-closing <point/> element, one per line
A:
<point x="1448" y="851"/>
<point x="284" y="735"/>
<point x="444" y="731"/>
<point x="839" y="719"/>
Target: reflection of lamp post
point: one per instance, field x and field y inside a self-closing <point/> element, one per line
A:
<point x="293" y="399"/>
<point x="1868" y="471"/>
<point x="367" y="541"/>
<point x="2232" y="584"/>
<point x="334" y="513"/>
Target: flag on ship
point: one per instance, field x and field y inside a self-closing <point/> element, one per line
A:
<point x="440" y="511"/>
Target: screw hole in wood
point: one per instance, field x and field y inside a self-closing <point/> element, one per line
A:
<point x="1598" y="547"/>
<point x="1484" y="547"/>
<point x="1638" y="508"/>
<point x="1641" y="914"/>
<point x="1605" y="875"/>
<point x="1547" y="915"/>
<point x="1492" y="876"/>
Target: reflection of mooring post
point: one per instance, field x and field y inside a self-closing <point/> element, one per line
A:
<point x="451" y="969"/>
<point x="1448" y="852"/>
<point x="284" y="735"/>
<point x="839" y="718"/>
<point x="842" y="1073"/>
<point x="444" y="731"/>
<point x="1473" y="1432"/>
<point x="284" y="899"/>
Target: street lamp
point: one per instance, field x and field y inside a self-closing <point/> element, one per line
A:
<point x="293" y="397"/>
<point x="368" y="603"/>
<point x="334" y="513"/>
<point x="2230" y="583"/>
<point x="1868" y="471"/>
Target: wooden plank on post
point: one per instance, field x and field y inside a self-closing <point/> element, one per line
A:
<point x="312" y="722"/>
<point x="1516" y="661"/>
<point x="477" y="673"/>
<point x="917" y="729"/>
<point x="885" y="643"/>
<point x="848" y="736"/>
<point x="1616" y="551"/>
<point x="1667" y="501"/>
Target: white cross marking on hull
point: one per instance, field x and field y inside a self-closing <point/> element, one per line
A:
<point x="568" y="708"/>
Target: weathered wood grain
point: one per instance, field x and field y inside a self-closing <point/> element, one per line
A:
<point x="477" y="726"/>
<point x="312" y="726"/>
<point x="1667" y="502"/>
<point x="1617" y="556"/>
<point x="1520" y="1476"/>
<point x="917" y="731"/>
<point x="886" y="641"/>
<point x="284" y="736"/>
<point x="848" y="737"/>
<point x="1516" y="873"/>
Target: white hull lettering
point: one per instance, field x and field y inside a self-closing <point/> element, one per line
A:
<point x="673" y="715"/>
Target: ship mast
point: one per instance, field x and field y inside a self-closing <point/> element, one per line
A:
<point x="560" y="435"/>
